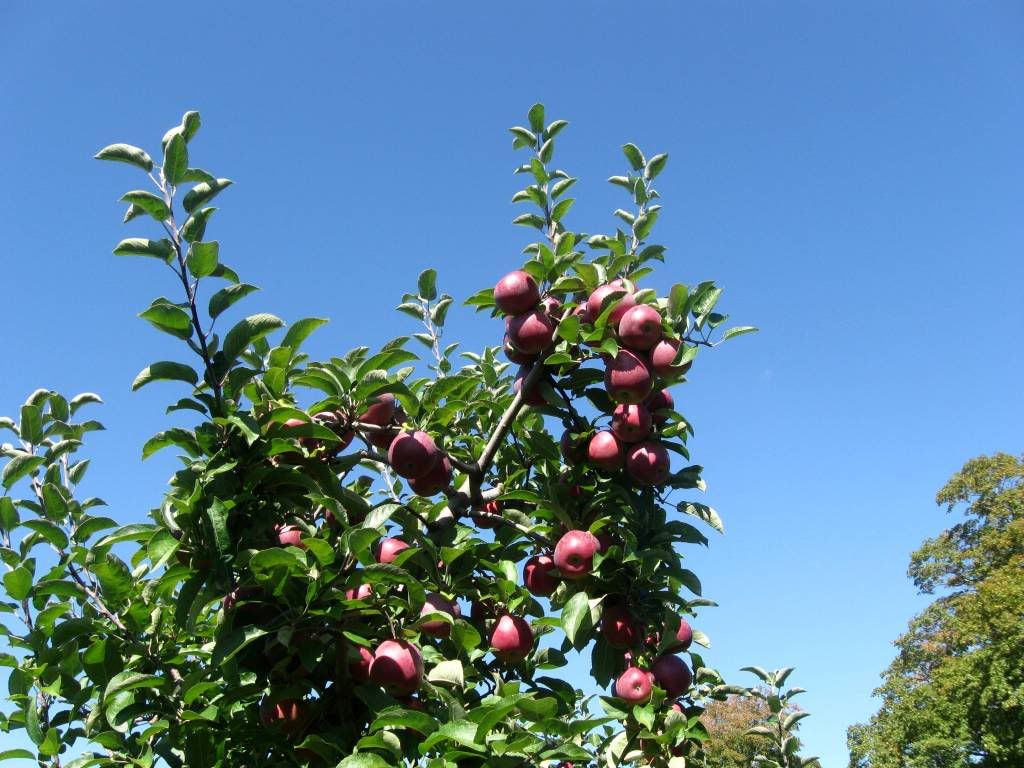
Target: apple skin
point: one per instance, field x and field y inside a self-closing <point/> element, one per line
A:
<point x="435" y="481"/>
<point x="381" y="411"/>
<point x="634" y="685"/>
<point x="413" y="454"/>
<point x="619" y="627"/>
<point x="362" y="592"/>
<point x="332" y="421"/>
<point x="604" y="451"/>
<point x="684" y="637"/>
<point x="640" y="327"/>
<point x="595" y="299"/>
<point x="397" y="667"/>
<point x="534" y="395"/>
<point x="574" y="554"/>
<point x="437" y="604"/>
<point x="672" y="674"/>
<point x="538" y="577"/>
<point x="516" y="293"/>
<point x="512" y="638"/>
<point x="658" y="403"/>
<point x="552" y="306"/>
<point x="492" y="508"/>
<point x="514" y="355"/>
<point x="627" y="378"/>
<point x="574" y="452"/>
<point x="289" y="536"/>
<point x="285" y="715"/>
<point x="663" y="354"/>
<point x="648" y="463"/>
<point x="359" y="669"/>
<point x="631" y="422"/>
<point x="531" y="332"/>
<point x="387" y="549"/>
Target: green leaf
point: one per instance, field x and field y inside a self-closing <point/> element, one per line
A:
<point x="18" y="583"/>
<point x="147" y="201"/>
<point x="21" y="465"/>
<point x="364" y="760"/>
<point x="49" y="531"/>
<point x="203" y="193"/>
<point x="547" y="149"/>
<point x="578" y="621"/>
<point x="634" y="155"/>
<point x="175" y="158"/>
<point x="300" y="330"/>
<point x="761" y="673"/>
<point x="32" y="728"/>
<point x="655" y="166"/>
<point x="528" y="138"/>
<point x="31" y="425"/>
<point x="427" y="284"/>
<point x="165" y="370"/>
<point x="130" y="681"/>
<point x="169" y="318"/>
<point x="17" y="754"/>
<point x="140" y="246"/>
<point x="126" y="153"/>
<point x="246" y="331"/>
<point x="195" y="225"/>
<point x="450" y="672"/>
<point x="792" y="719"/>
<point x="225" y="297"/>
<point x="202" y="258"/>
<point x="536" y="116"/>
<point x="562" y="208"/>
<point x="555" y="128"/>
<point x="738" y="331"/>
<point x="190" y="123"/>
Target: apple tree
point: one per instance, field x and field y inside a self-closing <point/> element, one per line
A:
<point x="382" y="558"/>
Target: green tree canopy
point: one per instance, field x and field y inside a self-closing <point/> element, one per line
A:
<point x="954" y="696"/>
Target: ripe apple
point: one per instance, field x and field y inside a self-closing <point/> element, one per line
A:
<point x="648" y="463"/>
<point x="531" y="332"/>
<point x="658" y="404"/>
<point x="624" y="304"/>
<point x="289" y="536"/>
<point x="381" y="410"/>
<point x="413" y="454"/>
<point x="662" y="357"/>
<point x="552" y="306"/>
<point x="574" y="554"/>
<point x="514" y="354"/>
<point x="512" y="638"/>
<point x="672" y="674"/>
<point x="285" y="715"/>
<point x="362" y="592"/>
<point x="640" y="327"/>
<point x="627" y="378"/>
<point x="387" y="549"/>
<point x="538" y="577"/>
<point x="359" y="668"/>
<point x="684" y="637"/>
<point x="604" y="451"/>
<point x="619" y="627"/>
<point x="397" y="667"/>
<point x="634" y="685"/>
<point x="516" y="293"/>
<point x="534" y="395"/>
<point x="332" y="421"/>
<point x="631" y="423"/>
<point x="492" y="508"/>
<point x="437" y="604"/>
<point x="435" y="481"/>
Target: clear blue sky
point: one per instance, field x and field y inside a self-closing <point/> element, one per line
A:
<point x="850" y="172"/>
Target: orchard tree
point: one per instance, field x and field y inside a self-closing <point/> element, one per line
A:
<point x="377" y="560"/>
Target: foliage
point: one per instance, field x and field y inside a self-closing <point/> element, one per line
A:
<point x="239" y="625"/>
<point x="954" y="696"/>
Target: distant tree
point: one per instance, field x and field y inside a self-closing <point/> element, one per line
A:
<point x="729" y="745"/>
<point x="954" y="696"/>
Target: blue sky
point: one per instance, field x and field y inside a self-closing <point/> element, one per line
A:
<point x="851" y="173"/>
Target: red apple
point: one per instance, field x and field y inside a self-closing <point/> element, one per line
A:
<point x="634" y="685"/>
<point x="516" y="293"/>
<point x="662" y="357"/>
<point x="437" y="604"/>
<point x="631" y="423"/>
<point x="574" y="554"/>
<point x="332" y="421"/>
<point x="640" y="327"/>
<point x="359" y="668"/>
<point x="684" y="637"/>
<point x="604" y="451"/>
<point x="514" y="354"/>
<point x="627" y="378"/>
<point x="382" y="439"/>
<point x="512" y="638"/>
<point x="658" y="403"/>
<point x="413" y="454"/>
<point x="672" y="674"/>
<point x="397" y="667"/>
<point x="290" y="536"/>
<point x="534" y="395"/>
<point x="619" y="627"/>
<point x="492" y="508"/>
<point x="285" y="715"/>
<point x="552" y="306"/>
<point x="538" y="577"/>
<point x="435" y="481"/>
<point x="648" y="463"/>
<point x="531" y="332"/>
<point x="362" y="592"/>
<point x="624" y="304"/>
<point x="387" y="549"/>
<point x="381" y="411"/>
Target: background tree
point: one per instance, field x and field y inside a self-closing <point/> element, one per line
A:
<point x="954" y="696"/>
<point x="376" y="559"/>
